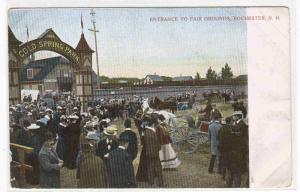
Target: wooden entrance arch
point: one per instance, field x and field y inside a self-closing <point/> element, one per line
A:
<point x="80" y="57"/>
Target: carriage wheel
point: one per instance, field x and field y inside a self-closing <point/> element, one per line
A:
<point x="185" y="140"/>
<point x="203" y="139"/>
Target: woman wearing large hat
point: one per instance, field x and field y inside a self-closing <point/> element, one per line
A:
<point x="32" y="158"/>
<point x="60" y="148"/>
<point x="71" y="138"/>
<point x="150" y="166"/>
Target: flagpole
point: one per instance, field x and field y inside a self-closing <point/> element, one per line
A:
<point x="27" y="33"/>
<point x="95" y="37"/>
<point x="81" y="23"/>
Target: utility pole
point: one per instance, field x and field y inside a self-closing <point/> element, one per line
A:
<point x="93" y="20"/>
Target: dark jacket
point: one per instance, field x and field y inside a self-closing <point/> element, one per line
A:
<point x="132" y="148"/>
<point x="49" y="169"/>
<point x="56" y="120"/>
<point x="120" y="170"/>
<point x="22" y="138"/>
<point x="238" y="148"/>
<point x="151" y="150"/>
<point x="93" y="172"/>
<point x="71" y="144"/>
<point x="224" y="142"/>
<point x="102" y="148"/>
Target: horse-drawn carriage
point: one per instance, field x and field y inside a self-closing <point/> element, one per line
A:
<point x="186" y="137"/>
<point x="173" y="103"/>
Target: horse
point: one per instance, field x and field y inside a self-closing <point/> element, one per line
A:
<point x="212" y="96"/>
<point x="160" y="105"/>
<point x="170" y="118"/>
<point x="226" y="97"/>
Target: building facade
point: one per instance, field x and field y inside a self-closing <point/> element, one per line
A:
<point x="50" y="74"/>
<point x="151" y="79"/>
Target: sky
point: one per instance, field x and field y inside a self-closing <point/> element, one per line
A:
<point x="130" y="45"/>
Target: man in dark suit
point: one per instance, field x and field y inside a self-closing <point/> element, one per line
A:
<point x="23" y="135"/>
<point x="215" y="113"/>
<point x="238" y="150"/>
<point x="120" y="170"/>
<point x="107" y="144"/>
<point x="50" y="164"/>
<point x="224" y="142"/>
<point x="132" y="139"/>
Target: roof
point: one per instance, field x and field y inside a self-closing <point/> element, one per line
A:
<point x="245" y="76"/>
<point x="183" y="78"/>
<point x="155" y="77"/>
<point x="49" y="33"/>
<point x="83" y="45"/>
<point x="45" y="66"/>
<point x="12" y="38"/>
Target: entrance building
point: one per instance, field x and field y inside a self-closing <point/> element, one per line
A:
<point x="80" y="59"/>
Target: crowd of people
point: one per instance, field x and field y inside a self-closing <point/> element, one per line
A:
<point x="228" y="141"/>
<point x="63" y="136"/>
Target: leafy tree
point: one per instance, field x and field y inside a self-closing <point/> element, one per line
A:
<point x="211" y="74"/>
<point x="197" y="77"/>
<point x="226" y="72"/>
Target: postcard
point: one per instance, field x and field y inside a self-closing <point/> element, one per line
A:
<point x="149" y="97"/>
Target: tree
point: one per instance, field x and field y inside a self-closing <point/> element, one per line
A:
<point x="226" y="72"/>
<point x="211" y="74"/>
<point x="197" y="77"/>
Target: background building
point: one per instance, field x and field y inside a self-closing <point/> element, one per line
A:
<point x="55" y="73"/>
<point x="150" y="79"/>
<point x="183" y="78"/>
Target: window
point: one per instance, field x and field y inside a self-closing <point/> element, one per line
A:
<point x="15" y="79"/>
<point x="29" y="73"/>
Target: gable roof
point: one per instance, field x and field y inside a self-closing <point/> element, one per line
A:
<point x="45" y="66"/>
<point x="49" y="33"/>
<point x="182" y="78"/>
<point x="154" y="77"/>
<point x="83" y="45"/>
<point x="12" y="38"/>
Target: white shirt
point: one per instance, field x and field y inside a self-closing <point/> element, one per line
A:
<point x="151" y="128"/>
<point x="108" y="141"/>
<point x="122" y="147"/>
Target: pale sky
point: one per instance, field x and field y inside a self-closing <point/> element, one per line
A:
<point x="129" y="45"/>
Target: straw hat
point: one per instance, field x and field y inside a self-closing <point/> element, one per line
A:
<point x="111" y="130"/>
<point x="48" y="110"/>
<point x="33" y="126"/>
<point x="237" y="113"/>
<point x="73" y="117"/>
<point x="107" y="120"/>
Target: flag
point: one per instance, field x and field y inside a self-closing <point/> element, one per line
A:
<point x="81" y="22"/>
<point x="27" y="32"/>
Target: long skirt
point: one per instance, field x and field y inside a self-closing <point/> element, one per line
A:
<point x="168" y="157"/>
<point x="60" y="147"/>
